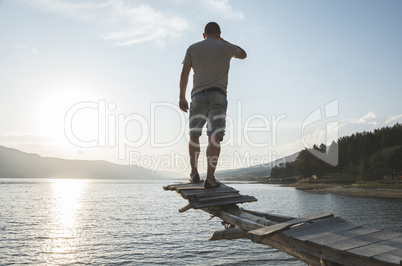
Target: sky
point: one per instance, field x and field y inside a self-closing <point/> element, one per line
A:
<point x="98" y="80"/>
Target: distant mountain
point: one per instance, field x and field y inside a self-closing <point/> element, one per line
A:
<point x="18" y="164"/>
<point x="253" y="173"/>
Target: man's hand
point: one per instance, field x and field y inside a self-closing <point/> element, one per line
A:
<point x="243" y="53"/>
<point x="183" y="104"/>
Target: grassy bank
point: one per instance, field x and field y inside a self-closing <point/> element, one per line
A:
<point x="385" y="189"/>
<point x="378" y="184"/>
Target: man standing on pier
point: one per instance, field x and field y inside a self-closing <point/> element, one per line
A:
<point x="210" y="61"/>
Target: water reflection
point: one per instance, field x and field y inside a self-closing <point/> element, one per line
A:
<point x="68" y="200"/>
<point x="62" y="239"/>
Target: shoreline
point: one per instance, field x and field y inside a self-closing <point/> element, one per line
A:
<point x="347" y="190"/>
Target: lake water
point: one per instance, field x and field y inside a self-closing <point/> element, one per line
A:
<point x="120" y="222"/>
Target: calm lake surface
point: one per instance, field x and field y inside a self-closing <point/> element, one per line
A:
<point x="120" y="222"/>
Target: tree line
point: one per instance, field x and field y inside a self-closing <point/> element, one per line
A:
<point x="373" y="155"/>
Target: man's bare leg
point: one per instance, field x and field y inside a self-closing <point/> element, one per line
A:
<point x="213" y="151"/>
<point x="194" y="152"/>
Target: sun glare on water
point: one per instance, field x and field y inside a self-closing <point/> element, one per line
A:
<point x="62" y="240"/>
<point x="67" y="193"/>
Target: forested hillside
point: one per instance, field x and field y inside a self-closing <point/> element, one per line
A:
<point x="368" y="155"/>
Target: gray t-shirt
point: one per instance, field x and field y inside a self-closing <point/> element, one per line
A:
<point x="210" y="60"/>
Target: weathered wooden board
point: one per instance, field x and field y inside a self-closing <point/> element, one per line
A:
<point x="391" y="257"/>
<point x="219" y="197"/>
<point x="331" y="255"/>
<point x="188" y="194"/>
<point x="196" y="186"/>
<point x="259" y="234"/>
<point x="273" y="217"/>
<point x="314" y="226"/>
<point x="371" y="250"/>
<point x="230" y="233"/>
<point x="330" y="228"/>
<point x="257" y="219"/>
<point x="185" y="208"/>
<point x="199" y="205"/>
<point x="207" y="193"/>
<point x="185" y="186"/>
<point x="240" y="222"/>
<point x="363" y="240"/>
<point x="326" y="238"/>
<point x="378" y="248"/>
<point x="395" y="242"/>
<point x="191" y="190"/>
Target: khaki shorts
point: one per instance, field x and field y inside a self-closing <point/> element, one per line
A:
<point x="208" y="108"/>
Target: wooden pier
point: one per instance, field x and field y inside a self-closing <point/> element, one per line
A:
<point x="320" y="239"/>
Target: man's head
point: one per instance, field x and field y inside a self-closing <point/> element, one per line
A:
<point x="212" y="30"/>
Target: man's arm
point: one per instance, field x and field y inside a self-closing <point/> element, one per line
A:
<point x="243" y="53"/>
<point x="185" y="72"/>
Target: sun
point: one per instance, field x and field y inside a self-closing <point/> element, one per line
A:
<point x="52" y="109"/>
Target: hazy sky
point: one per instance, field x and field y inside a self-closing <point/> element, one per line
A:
<point x="99" y="79"/>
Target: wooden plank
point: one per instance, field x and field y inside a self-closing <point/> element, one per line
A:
<point x="213" y="194"/>
<point x="184" y="185"/>
<point x="330" y="228"/>
<point x="259" y="234"/>
<point x="195" y="186"/>
<point x="273" y="217"/>
<point x="179" y="185"/>
<point x="391" y="257"/>
<point x="314" y="225"/>
<point x="280" y="242"/>
<point x="260" y="220"/>
<point x="185" y="208"/>
<point x="171" y="187"/>
<point x="395" y="242"/>
<point x="188" y="186"/>
<point x="326" y="238"/>
<point x="219" y="197"/>
<point x="379" y="249"/>
<point x="240" y="222"/>
<point x="371" y="250"/>
<point x="199" y="205"/>
<point x="191" y="194"/>
<point x="228" y="234"/>
<point x="364" y="240"/>
<point x="327" y="255"/>
<point x="235" y="210"/>
<point x="265" y="232"/>
<point x="195" y="193"/>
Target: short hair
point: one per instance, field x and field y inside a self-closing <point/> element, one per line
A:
<point x="212" y="28"/>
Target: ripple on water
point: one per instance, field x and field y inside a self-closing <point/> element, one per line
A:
<point x="130" y="222"/>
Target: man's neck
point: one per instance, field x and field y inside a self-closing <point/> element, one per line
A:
<point x="211" y="36"/>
